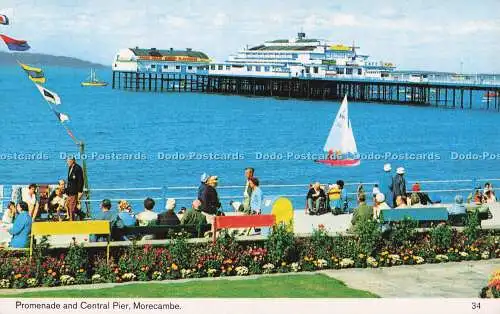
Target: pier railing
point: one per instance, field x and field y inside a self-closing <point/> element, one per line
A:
<point x="444" y="190"/>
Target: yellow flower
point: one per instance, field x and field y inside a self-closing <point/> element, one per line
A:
<point x="174" y="267"/>
<point x="283" y="264"/>
<point x="456" y="250"/>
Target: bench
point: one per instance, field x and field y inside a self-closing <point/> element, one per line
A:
<point x="250" y="221"/>
<point x="100" y="227"/>
<point x="160" y="231"/>
<point x="420" y="214"/>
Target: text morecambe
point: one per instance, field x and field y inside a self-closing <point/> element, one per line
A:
<point x="156" y="306"/>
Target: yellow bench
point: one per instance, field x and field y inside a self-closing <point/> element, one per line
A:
<point x="70" y="227"/>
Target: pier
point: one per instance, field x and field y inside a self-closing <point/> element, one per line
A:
<point x="442" y="94"/>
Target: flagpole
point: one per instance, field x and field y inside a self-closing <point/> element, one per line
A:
<point x="81" y="147"/>
<point x="88" y="206"/>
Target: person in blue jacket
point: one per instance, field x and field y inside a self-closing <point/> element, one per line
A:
<point x="21" y="229"/>
<point x="385" y="186"/>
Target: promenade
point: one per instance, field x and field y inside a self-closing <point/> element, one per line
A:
<point x="448" y="280"/>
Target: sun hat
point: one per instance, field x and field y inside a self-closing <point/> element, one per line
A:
<point x="387" y="167"/>
<point x="400" y="170"/>
<point x="204" y="177"/>
<point x="170" y="205"/>
<point x="459" y="199"/>
<point x="380" y="198"/>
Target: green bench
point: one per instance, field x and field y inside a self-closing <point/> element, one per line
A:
<point x="424" y="215"/>
<point x="160" y="231"/>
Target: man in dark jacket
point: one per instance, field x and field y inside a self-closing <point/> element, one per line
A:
<point x="169" y="217"/>
<point x="74" y="187"/>
<point x="210" y="200"/>
<point x="203" y="185"/>
<point x="398" y="185"/>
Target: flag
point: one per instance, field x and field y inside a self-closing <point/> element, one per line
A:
<point x="14" y="44"/>
<point x="49" y="96"/>
<point x="62" y="117"/>
<point x="4" y="20"/>
<point x="34" y="74"/>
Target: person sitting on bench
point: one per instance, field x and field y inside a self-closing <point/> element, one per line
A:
<point x="148" y="217"/>
<point x="105" y="214"/>
<point x="362" y="213"/>
<point x="379" y="205"/>
<point x="415" y="200"/>
<point x="194" y="216"/>
<point x="315" y="196"/>
<point x="169" y="217"/>
<point x="458" y="208"/>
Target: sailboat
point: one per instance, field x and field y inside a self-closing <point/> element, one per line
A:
<point x="93" y="80"/>
<point x="340" y="144"/>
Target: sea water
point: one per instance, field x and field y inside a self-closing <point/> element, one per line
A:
<point x="146" y="139"/>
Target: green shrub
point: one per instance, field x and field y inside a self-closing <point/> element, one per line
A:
<point x="180" y="251"/>
<point x="403" y="233"/>
<point x="369" y="236"/>
<point x="280" y="245"/>
<point x="345" y="247"/>
<point x="321" y="243"/>
<point x="472" y="225"/>
<point x="442" y="236"/>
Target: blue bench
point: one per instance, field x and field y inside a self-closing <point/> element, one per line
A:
<point x="420" y="214"/>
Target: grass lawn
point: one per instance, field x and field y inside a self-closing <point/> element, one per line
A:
<point x="287" y="286"/>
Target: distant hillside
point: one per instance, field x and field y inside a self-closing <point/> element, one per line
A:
<point x="48" y="60"/>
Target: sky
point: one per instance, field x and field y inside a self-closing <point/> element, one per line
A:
<point x="445" y="35"/>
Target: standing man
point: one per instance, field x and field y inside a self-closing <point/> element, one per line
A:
<point x="247" y="193"/>
<point x="74" y="188"/>
<point x="386" y="185"/>
<point x="398" y="185"/>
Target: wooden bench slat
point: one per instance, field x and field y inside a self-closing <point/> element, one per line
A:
<point x="71" y="227"/>
<point x="245" y="221"/>
<point x="419" y="214"/>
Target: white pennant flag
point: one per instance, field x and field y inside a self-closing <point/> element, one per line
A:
<point x="49" y="96"/>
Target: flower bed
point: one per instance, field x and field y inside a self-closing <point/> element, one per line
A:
<point x="492" y="290"/>
<point x="280" y="253"/>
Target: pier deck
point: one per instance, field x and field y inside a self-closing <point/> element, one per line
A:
<point x="460" y="95"/>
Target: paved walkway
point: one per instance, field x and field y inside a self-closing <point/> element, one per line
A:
<point x="449" y="280"/>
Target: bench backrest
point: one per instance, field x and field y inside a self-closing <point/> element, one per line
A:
<point x="161" y="230"/>
<point x="70" y="227"/>
<point x="247" y="221"/>
<point x="418" y="214"/>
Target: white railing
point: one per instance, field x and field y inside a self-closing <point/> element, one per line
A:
<point x="296" y="192"/>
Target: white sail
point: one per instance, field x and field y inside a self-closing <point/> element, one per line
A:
<point x="341" y="139"/>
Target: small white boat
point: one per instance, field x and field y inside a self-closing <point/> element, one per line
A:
<point x="340" y="144"/>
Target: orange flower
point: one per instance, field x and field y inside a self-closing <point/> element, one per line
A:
<point x="174" y="267"/>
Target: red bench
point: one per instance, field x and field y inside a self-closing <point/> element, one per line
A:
<point x="250" y="221"/>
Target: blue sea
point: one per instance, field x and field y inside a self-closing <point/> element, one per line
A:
<point x="172" y="138"/>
